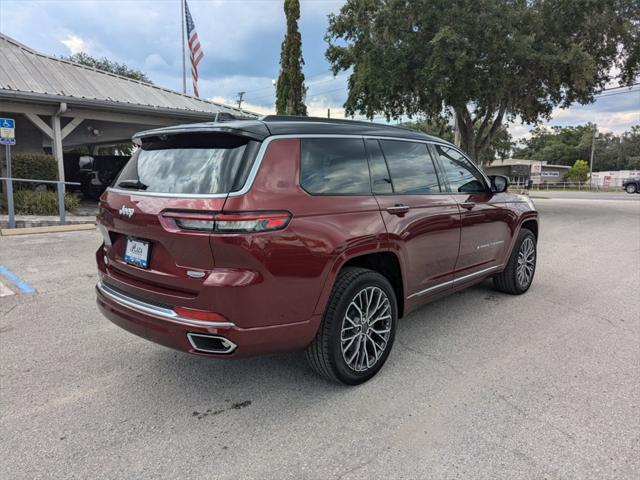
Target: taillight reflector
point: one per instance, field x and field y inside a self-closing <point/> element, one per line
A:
<point x="193" y="314"/>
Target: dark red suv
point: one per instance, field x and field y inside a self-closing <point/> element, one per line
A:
<point x="260" y="236"/>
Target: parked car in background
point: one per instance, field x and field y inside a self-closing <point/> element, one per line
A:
<point x="253" y="237"/>
<point x="96" y="173"/>
<point x="631" y="185"/>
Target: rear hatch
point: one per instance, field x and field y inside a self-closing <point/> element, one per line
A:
<point x="155" y="216"/>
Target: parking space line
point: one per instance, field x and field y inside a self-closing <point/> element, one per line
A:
<point x="18" y="282"/>
<point x="4" y="291"/>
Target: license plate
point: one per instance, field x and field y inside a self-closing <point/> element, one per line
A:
<point x="137" y="253"/>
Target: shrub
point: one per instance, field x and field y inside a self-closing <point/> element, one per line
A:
<point x="33" y="165"/>
<point x="41" y="203"/>
<point x="579" y="172"/>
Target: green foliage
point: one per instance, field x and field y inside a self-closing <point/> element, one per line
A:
<point x="108" y="66"/>
<point x="41" y="203"/>
<point x="565" y="145"/>
<point x="290" y="89"/>
<point x="579" y="172"/>
<point x="439" y="127"/>
<point x="484" y="61"/>
<point x="33" y="165"/>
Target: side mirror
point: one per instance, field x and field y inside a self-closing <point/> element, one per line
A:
<point x="499" y="183"/>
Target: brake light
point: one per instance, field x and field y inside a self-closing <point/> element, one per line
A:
<point x="193" y="314"/>
<point x="225" y="223"/>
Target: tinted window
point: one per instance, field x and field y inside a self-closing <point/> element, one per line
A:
<point x="462" y="176"/>
<point x="380" y="178"/>
<point x="195" y="165"/>
<point x="411" y="167"/>
<point x="336" y="166"/>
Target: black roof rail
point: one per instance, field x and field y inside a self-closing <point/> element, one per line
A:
<point x="295" y="118"/>
<point x="336" y="121"/>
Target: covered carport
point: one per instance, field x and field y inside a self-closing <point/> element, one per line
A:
<point x="59" y="105"/>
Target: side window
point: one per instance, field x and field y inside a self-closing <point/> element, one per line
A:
<point x="462" y="176"/>
<point x="411" y="167"/>
<point x="380" y="178"/>
<point x="334" y="166"/>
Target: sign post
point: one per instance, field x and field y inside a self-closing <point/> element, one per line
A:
<point x="8" y="138"/>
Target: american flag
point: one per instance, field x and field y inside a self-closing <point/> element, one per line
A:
<point x="194" y="47"/>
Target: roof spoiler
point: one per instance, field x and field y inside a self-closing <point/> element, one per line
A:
<point x="230" y="117"/>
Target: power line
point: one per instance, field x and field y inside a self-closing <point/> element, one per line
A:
<point x="317" y="94"/>
<point x="620" y="86"/>
<point x="310" y="83"/>
<point x="617" y="93"/>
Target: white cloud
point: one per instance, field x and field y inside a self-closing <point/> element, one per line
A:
<point x="75" y="44"/>
<point x="519" y="131"/>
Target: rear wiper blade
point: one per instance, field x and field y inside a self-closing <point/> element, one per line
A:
<point x="135" y="184"/>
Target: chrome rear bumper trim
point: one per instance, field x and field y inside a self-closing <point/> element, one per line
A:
<point x="155" y="310"/>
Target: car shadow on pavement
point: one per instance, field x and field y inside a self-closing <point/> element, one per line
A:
<point x="421" y="332"/>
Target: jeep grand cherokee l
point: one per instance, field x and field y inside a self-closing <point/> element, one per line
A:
<point x="259" y="236"/>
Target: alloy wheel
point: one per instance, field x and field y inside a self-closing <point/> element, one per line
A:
<point x="366" y="328"/>
<point x="526" y="262"/>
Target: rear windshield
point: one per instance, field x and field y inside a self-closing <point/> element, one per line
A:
<point x="189" y="164"/>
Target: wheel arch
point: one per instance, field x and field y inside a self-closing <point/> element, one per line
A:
<point x="385" y="262"/>
<point x="530" y="222"/>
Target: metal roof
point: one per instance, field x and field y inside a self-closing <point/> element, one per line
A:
<point x="29" y="75"/>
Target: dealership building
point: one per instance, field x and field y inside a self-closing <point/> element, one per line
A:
<point x="521" y="171"/>
<point x="60" y="105"/>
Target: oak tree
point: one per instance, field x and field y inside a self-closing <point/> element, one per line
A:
<point x="484" y="62"/>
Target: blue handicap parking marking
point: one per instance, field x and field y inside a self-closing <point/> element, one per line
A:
<point x="23" y="286"/>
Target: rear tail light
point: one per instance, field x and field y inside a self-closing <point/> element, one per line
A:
<point x="224" y="222"/>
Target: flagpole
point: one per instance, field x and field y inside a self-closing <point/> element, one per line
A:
<point x="184" y="69"/>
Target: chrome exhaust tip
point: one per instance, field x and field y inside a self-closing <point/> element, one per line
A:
<point x="201" y="342"/>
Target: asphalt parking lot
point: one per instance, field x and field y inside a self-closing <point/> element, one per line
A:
<point x="479" y="385"/>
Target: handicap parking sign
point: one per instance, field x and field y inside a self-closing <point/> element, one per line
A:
<point x="7" y="131"/>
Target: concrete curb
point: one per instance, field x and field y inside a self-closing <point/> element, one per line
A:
<point x="7" y="232"/>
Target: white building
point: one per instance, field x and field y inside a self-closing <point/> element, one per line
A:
<point x="613" y="178"/>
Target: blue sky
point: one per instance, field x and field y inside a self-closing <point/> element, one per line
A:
<point x="241" y="41"/>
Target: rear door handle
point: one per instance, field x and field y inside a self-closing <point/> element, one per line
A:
<point x="468" y="205"/>
<point x="398" y="209"/>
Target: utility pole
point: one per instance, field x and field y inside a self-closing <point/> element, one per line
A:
<point x="328" y="113"/>
<point x="593" y="147"/>
<point x="184" y="68"/>
<point x="240" y="97"/>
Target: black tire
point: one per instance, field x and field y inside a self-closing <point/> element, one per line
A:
<point x="325" y="354"/>
<point x="631" y="188"/>
<point x="508" y="281"/>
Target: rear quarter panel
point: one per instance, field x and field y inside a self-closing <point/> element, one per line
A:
<point x="296" y="265"/>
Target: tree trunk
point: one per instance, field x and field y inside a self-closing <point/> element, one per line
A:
<point x="473" y="140"/>
<point x="467" y="133"/>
